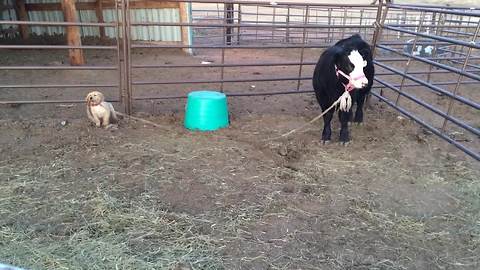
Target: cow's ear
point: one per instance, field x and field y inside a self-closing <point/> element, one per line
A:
<point x="337" y="52"/>
<point x="366" y="53"/>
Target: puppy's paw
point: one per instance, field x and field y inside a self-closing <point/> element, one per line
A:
<point x="112" y="127"/>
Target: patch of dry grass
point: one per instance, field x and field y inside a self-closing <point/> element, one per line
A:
<point x="309" y="206"/>
<point x="97" y="231"/>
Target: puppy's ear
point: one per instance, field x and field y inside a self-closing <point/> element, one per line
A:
<point x="87" y="98"/>
<point x="102" y="97"/>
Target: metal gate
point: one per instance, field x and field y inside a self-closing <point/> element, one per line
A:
<point x="117" y="91"/>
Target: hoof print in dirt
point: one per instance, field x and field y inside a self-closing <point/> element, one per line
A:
<point x="288" y="188"/>
<point x="283" y="151"/>
<point x="182" y="266"/>
<point x="422" y="135"/>
<point x="307" y="189"/>
<point x="291" y="167"/>
<point x="289" y="152"/>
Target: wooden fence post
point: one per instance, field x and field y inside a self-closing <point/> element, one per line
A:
<point x="99" y="13"/>
<point x="22" y="15"/>
<point x="73" y="33"/>
<point x="184" y="18"/>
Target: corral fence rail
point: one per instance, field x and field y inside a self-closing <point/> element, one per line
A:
<point x="426" y="56"/>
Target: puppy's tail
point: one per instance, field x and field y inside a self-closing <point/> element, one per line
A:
<point x="113" y="114"/>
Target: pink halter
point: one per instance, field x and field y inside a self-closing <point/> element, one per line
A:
<point x="348" y="87"/>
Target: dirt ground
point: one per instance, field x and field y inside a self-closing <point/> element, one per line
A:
<point x="138" y="197"/>
<point x="78" y="197"/>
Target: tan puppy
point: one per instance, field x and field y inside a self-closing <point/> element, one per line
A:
<point x="99" y="111"/>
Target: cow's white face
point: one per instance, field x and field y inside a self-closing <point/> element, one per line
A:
<point x="358" y="77"/>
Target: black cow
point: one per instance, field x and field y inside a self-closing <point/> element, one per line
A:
<point x="345" y="66"/>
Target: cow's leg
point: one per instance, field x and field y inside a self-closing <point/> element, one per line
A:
<point x="327" y="118"/>
<point x="344" y="134"/>
<point x="327" y="129"/>
<point x="359" y="112"/>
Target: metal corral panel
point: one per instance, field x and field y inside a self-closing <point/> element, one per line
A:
<point x="145" y="33"/>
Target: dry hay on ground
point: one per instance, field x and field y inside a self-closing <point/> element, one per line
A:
<point x="77" y="197"/>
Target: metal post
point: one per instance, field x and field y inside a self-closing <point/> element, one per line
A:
<point x="287" y="32"/>
<point x="377" y="35"/>
<point x="273" y="23"/>
<point x="404" y="21"/>
<point x="361" y="20"/>
<point x="433" y="26"/>
<point x="228" y="15"/>
<point x="329" y="23"/>
<point x="303" y="48"/>
<point x="459" y="79"/>
<point x="239" y="20"/>
<point x="407" y="65"/>
<point x="118" y="30"/>
<point x="127" y="55"/>
<point x="225" y="42"/>
<point x="256" y="28"/>
<point x="379" y="21"/>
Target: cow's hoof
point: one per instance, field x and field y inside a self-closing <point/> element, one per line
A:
<point x="344" y="143"/>
<point x="359" y="124"/>
<point x="325" y="142"/>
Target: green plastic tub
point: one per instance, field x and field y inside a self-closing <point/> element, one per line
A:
<point x="206" y="111"/>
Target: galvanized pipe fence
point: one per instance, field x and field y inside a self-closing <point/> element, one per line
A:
<point x="435" y="87"/>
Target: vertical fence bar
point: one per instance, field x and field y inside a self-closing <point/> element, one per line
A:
<point x="344" y="22"/>
<point x="273" y="22"/>
<point x="361" y="21"/>
<point x="316" y="22"/>
<point x="303" y="47"/>
<point x="225" y="42"/>
<point x="126" y="55"/>
<point x="329" y="23"/>
<point x="120" y="60"/>
<point x="404" y="21"/>
<point x="256" y="28"/>
<point x="129" y="57"/>
<point x="435" y="30"/>
<point x="287" y="22"/>
<point x="377" y="35"/>
<point x="459" y="79"/>
<point x="228" y="19"/>
<point x="379" y="21"/>
<point x="410" y="59"/>
<point x="239" y="20"/>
